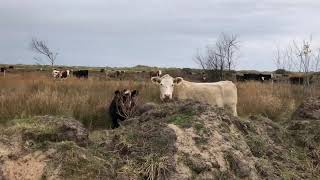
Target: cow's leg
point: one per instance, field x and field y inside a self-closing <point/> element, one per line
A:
<point x="234" y="109"/>
<point x="115" y="123"/>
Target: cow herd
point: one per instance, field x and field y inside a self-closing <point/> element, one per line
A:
<point x="262" y="77"/>
<point x="124" y="103"/>
<point x="63" y="74"/>
<point x="120" y="74"/>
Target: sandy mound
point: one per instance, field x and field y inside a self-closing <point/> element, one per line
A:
<point x="21" y="152"/>
<point x="178" y="140"/>
<point x="30" y="166"/>
<point x="305" y="130"/>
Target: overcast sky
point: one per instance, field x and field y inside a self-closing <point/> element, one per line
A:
<point x="152" y="32"/>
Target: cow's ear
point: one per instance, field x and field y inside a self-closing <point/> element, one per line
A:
<point x="117" y="92"/>
<point x="134" y="93"/>
<point x="156" y="80"/>
<point x="178" y="80"/>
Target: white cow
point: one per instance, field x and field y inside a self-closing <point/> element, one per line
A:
<point x="221" y="94"/>
<point x="68" y="73"/>
<point x="56" y="73"/>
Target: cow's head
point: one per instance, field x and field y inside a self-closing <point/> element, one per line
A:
<point x="166" y="84"/>
<point x="126" y="98"/>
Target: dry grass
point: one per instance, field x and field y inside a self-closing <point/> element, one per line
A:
<point x="35" y="93"/>
<point x="29" y="94"/>
<point x="275" y="101"/>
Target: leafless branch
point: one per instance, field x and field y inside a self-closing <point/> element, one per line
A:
<point x="221" y="56"/>
<point x="299" y="56"/>
<point x="42" y="48"/>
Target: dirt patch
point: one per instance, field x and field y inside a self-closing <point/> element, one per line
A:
<point x="309" y="109"/>
<point x="30" y="166"/>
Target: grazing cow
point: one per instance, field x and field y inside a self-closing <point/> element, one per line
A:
<point x="81" y="73"/>
<point x="297" y="79"/>
<point x="64" y="74"/>
<point x="204" y="77"/>
<point x="257" y="77"/>
<point x="122" y="106"/>
<point x="55" y="73"/>
<point x="240" y="77"/>
<point x="155" y="73"/>
<point x="11" y="67"/>
<point x="221" y="94"/>
<point x="3" y="70"/>
<point x="116" y="74"/>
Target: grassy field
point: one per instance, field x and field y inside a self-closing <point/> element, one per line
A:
<point x="36" y="93"/>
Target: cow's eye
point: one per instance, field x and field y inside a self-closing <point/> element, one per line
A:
<point x="161" y="84"/>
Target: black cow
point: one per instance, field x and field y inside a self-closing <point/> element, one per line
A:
<point x="122" y="106"/>
<point x="11" y="67"/>
<point x="81" y="73"/>
<point x="254" y="77"/>
<point x="296" y="80"/>
<point x="2" y="69"/>
<point x="240" y="77"/>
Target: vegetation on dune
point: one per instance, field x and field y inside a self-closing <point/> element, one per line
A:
<point x="158" y="144"/>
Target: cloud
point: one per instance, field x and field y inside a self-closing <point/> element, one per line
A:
<point x="151" y="32"/>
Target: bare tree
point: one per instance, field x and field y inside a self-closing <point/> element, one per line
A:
<point x="42" y="48"/>
<point x="299" y="57"/>
<point x="284" y="59"/>
<point x="220" y="57"/>
<point x="304" y="56"/>
<point x="230" y="45"/>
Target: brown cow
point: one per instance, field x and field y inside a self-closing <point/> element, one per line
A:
<point x="64" y="74"/>
<point x="155" y="73"/>
<point x="122" y="106"/>
<point x="115" y="74"/>
<point x="61" y="74"/>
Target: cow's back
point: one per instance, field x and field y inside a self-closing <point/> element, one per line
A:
<point x="210" y="93"/>
<point x="221" y="94"/>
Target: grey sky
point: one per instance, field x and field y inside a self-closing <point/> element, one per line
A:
<point x="152" y="32"/>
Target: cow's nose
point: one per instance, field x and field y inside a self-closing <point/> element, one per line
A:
<point x="167" y="96"/>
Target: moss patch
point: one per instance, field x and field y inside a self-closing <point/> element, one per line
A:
<point x="182" y="120"/>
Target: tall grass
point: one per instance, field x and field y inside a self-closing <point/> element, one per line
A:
<point x="276" y="101"/>
<point x="35" y="93"/>
<point x="87" y="100"/>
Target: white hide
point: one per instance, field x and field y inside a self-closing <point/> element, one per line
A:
<point x="221" y="94"/>
<point x="56" y="74"/>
